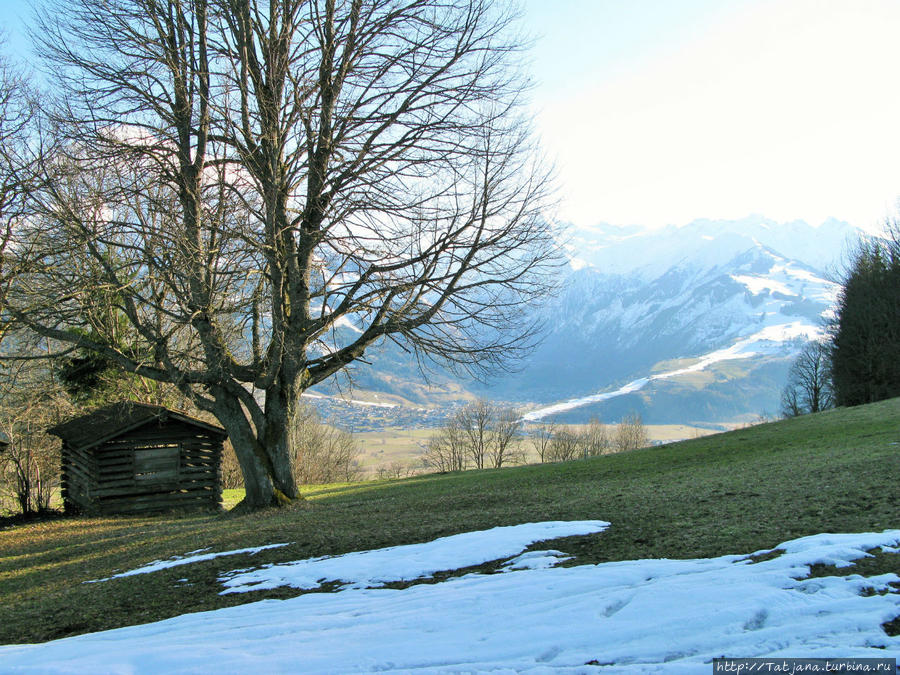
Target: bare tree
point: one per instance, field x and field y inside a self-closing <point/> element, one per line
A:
<point x="505" y="428"/>
<point x="541" y="437"/>
<point x="596" y="440"/>
<point x="809" y="388"/>
<point x="483" y="432"/>
<point x="323" y="453"/>
<point x="489" y="430"/>
<point x="561" y="444"/>
<point x="790" y="402"/>
<point x="447" y="450"/>
<point x="241" y="178"/>
<point x="630" y="434"/>
<point x="30" y="401"/>
<point x="474" y="422"/>
<point x="565" y="445"/>
<point x="17" y="168"/>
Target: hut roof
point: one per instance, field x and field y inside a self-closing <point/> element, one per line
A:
<point x="116" y="419"/>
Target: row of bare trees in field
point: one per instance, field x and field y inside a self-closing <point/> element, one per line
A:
<point x="488" y="435"/>
<point x="481" y="435"/>
<point x="553" y="442"/>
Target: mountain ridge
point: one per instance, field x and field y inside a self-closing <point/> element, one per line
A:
<point x="632" y="300"/>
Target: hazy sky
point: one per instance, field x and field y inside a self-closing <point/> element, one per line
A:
<point x="662" y="111"/>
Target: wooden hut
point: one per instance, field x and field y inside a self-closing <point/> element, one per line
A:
<point x="135" y="458"/>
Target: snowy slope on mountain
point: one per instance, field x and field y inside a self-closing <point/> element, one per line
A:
<point x="769" y="341"/>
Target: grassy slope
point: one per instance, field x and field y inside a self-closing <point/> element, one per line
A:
<point x="405" y="446"/>
<point x="730" y="493"/>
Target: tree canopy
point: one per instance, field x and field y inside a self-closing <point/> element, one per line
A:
<point x="866" y="336"/>
<point x="241" y="197"/>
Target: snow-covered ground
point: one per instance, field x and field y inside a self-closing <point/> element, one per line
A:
<point x="671" y="616"/>
<point x="188" y="558"/>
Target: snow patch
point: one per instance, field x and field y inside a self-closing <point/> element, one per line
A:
<point x="670" y="616"/>
<point x="405" y="563"/>
<point x="758" y="285"/>
<point x="186" y="559"/>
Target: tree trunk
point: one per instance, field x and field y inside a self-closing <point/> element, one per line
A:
<point x="282" y="407"/>
<point x="266" y="465"/>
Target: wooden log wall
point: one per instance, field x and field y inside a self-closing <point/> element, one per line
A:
<point x="80" y="476"/>
<point x="154" y="468"/>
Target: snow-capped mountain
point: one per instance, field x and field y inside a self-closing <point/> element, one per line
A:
<point x="689" y="324"/>
<point x="686" y="324"/>
<point x="704" y="243"/>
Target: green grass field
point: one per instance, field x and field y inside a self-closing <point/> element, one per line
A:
<point x="736" y="492"/>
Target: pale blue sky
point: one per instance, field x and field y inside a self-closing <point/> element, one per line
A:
<point x="662" y="111"/>
<point x="12" y="17"/>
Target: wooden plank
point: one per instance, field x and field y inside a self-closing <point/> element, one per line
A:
<point x="128" y="475"/>
<point x="210" y="457"/>
<point x="189" y="472"/>
<point x="201" y="466"/>
<point x="116" y="463"/>
<point x="157" y="453"/>
<point x="82" y="458"/>
<point x="136" y="492"/>
<point x="163" y="496"/>
<point x="203" y="456"/>
<point x="120" y="474"/>
<point x="74" y="469"/>
<point x="161" y="503"/>
<point x="80" y="502"/>
<point x="81" y="461"/>
<point x="184" y="473"/>
<point x="139" y="491"/>
<point x="155" y="466"/>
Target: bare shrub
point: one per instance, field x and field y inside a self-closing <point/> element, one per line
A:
<point x="541" y="438"/>
<point x="323" y="454"/>
<point x="393" y="471"/>
<point x="565" y="445"/>
<point x="446" y="451"/>
<point x="631" y="434"/>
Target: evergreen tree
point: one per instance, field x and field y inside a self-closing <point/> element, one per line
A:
<point x="866" y="337"/>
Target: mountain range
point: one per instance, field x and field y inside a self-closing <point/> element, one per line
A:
<point x="694" y="324"/>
